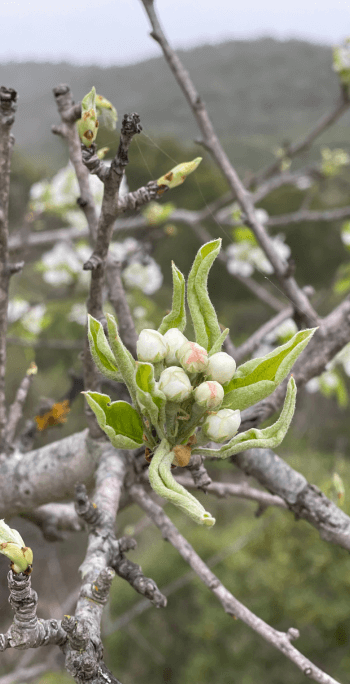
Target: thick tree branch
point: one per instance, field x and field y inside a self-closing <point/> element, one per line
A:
<point x="279" y="640"/>
<point x="304" y="499"/>
<point x="26" y="630"/>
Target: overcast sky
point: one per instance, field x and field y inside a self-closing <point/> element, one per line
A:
<point x="116" y="31"/>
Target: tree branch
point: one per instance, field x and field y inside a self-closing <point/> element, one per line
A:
<point x="213" y="145"/>
<point x="309" y="215"/>
<point x="279" y="640"/>
<point x="304" y="499"/>
<point x="8" y="100"/>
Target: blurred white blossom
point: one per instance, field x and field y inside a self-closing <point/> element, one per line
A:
<point x="139" y="312"/>
<point x="78" y="314"/>
<point x="303" y="183"/>
<point x="121" y="250"/>
<point x="61" y="193"/>
<point x="33" y="319"/>
<point x="244" y="257"/>
<point x="17" y="307"/>
<point x="148" y="277"/>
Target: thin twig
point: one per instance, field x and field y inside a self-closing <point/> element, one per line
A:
<point x="279" y="640"/>
<point x="8" y="100"/>
<point x="252" y="343"/>
<point x="118" y="300"/>
<point x="309" y="215"/>
<point x="213" y="145"/>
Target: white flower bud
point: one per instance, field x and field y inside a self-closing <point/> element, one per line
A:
<point x="221" y="367"/>
<point x="174" y="339"/>
<point x="222" y="425"/>
<point x="193" y="357"/>
<point x="209" y="394"/>
<point x="151" y="346"/>
<point x="175" y="384"/>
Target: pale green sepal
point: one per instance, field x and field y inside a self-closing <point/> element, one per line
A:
<point x="21" y="557"/>
<point x="7" y="534"/>
<point x="203" y="314"/>
<point x="179" y="173"/>
<point x="106" y="113"/>
<point x="118" y="419"/>
<point x="257" y="379"/>
<point x="101" y="351"/>
<point x="88" y="124"/>
<point x="13" y="547"/>
<point x="188" y="504"/>
<point x="177" y="316"/>
<point x="219" y="342"/>
<point x="126" y="362"/>
<point x="267" y="438"/>
<point x="148" y="395"/>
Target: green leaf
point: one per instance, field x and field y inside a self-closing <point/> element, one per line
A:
<point x="148" y="395"/>
<point x="118" y="419"/>
<point x="203" y="314"/>
<point x="177" y="316"/>
<point x="126" y="362"/>
<point x="267" y="438"/>
<point x="101" y="351"/>
<point x="258" y="378"/>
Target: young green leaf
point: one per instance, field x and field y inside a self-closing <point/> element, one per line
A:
<point x="101" y="351"/>
<point x="149" y="396"/>
<point x="170" y="490"/>
<point x="126" y="362"/>
<point x="177" y="316"/>
<point x="203" y="314"/>
<point x="258" y="378"/>
<point x="267" y="438"/>
<point x="118" y="419"/>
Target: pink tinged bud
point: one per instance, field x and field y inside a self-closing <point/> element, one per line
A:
<point x="175" y="384"/>
<point x="174" y="339"/>
<point x="193" y="357"/>
<point x="221" y="367"/>
<point x="223" y="425"/>
<point x="151" y="346"/>
<point x="209" y="394"/>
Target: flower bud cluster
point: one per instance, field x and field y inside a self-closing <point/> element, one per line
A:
<point x="183" y="358"/>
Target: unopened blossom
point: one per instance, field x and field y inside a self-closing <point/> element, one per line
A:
<point x="222" y="425"/>
<point x="151" y="346"/>
<point x="221" y="367"/>
<point x="174" y="339"/>
<point x="209" y="394"/>
<point x="193" y="357"/>
<point x="175" y="384"/>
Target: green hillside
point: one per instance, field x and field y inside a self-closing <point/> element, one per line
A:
<point x="261" y="87"/>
